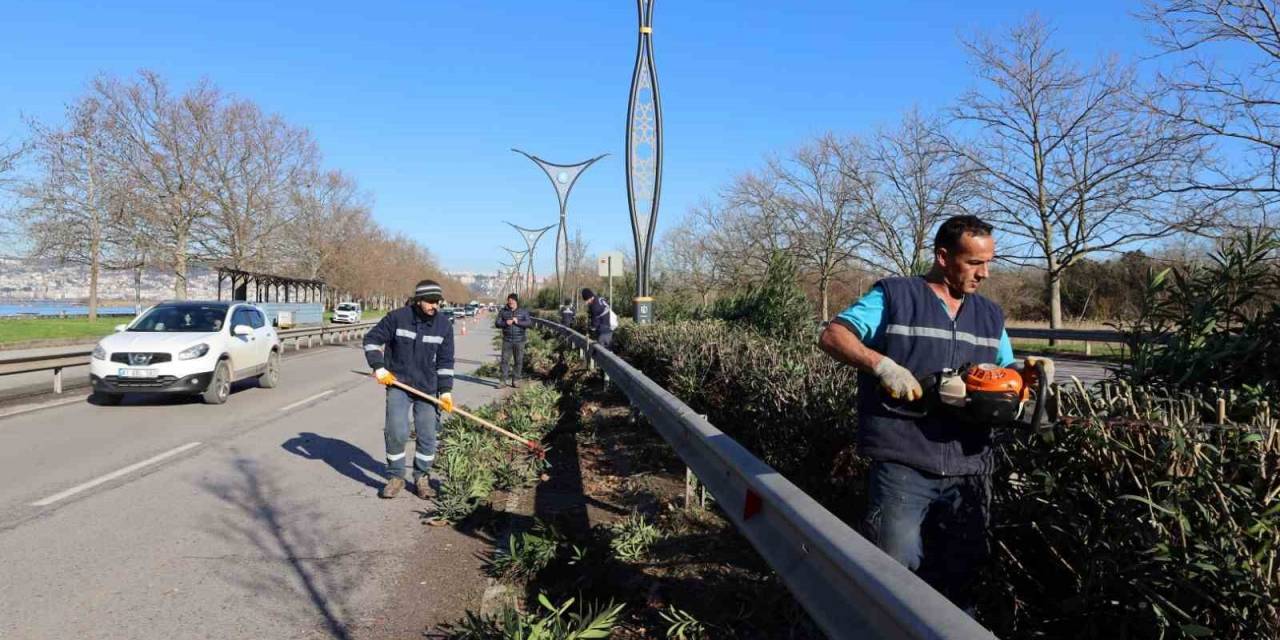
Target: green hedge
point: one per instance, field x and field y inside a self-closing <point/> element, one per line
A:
<point x="1127" y="520"/>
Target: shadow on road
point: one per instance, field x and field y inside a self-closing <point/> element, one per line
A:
<point x="344" y="457"/>
<point x="492" y="384"/>
<point x="298" y="555"/>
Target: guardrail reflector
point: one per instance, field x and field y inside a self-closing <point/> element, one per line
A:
<point x="752" y="505"/>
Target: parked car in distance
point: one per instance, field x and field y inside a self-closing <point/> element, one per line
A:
<point x="347" y="313"/>
<point x="471" y="309"/>
<point x="186" y="347"/>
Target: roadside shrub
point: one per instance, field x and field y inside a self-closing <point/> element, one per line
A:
<point x="631" y="537"/>
<point x="552" y="622"/>
<point x="1129" y="518"/>
<point x="527" y="553"/>
<point x="787" y="402"/>
<point x="776" y="307"/>
<point x="1216" y="324"/>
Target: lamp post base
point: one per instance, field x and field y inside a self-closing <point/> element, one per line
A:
<point x="644" y="310"/>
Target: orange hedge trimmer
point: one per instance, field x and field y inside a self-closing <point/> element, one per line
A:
<point x="533" y="446"/>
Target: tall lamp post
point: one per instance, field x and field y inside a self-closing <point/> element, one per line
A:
<point x="517" y="257"/>
<point x="644" y="157"/>
<point x="531" y="238"/>
<point x="563" y="177"/>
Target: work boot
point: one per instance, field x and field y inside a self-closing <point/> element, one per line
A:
<point x="391" y="488"/>
<point x="423" y="487"/>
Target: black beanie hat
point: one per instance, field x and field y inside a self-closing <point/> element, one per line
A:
<point x="428" y="290"/>
<point x="588" y="294"/>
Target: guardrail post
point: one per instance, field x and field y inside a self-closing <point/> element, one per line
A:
<point x="57" y="380"/>
<point x="1088" y="348"/>
<point x="308" y="342"/>
<point x="689" y="480"/>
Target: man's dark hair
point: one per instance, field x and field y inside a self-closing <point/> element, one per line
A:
<point x="512" y="296"/>
<point x="955" y="228"/>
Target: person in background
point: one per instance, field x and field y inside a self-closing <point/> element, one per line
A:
<point x="598" y="323"/>
<point x="514" y="322"/>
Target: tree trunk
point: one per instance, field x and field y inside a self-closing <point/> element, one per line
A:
<point x="1054" y="277"/>
<point x="94" y="265"/>
<point x="180" y="271"/>
<point x="824" y="284"/>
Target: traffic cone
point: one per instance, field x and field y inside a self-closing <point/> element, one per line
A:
<point x="464" y="327"/>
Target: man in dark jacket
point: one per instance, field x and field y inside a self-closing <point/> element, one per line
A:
<point x="929" y="486"/>
<point x="598" y="322"/>
<point x="414" y="345"/>
<point x="514" y="322"/>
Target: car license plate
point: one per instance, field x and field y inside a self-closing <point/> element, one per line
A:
<point x="137" y="373"/>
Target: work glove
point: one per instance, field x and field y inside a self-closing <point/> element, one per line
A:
<point x="384" y="376"/>
<point x="1030" y="365"/>
<point x="897" y="380"/>
<point x="446" y="402"/>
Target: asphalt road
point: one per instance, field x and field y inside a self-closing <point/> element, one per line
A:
<point x="167" y="518"/>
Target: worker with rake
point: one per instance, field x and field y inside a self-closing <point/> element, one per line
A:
<point x="413" y="347"/>
<point x="929" y="485"/>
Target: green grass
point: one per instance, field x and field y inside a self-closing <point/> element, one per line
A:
<point x="21" y="330"/>
<point x="29" y="329"/>
<point x="1099" y="350"/>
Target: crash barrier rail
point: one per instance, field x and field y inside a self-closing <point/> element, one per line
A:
<point x="78" y="356"/>
<point x="850" y="588"/>
<point x="1087" y="336"/>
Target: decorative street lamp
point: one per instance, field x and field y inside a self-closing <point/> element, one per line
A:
<point x="517" y="257"/>
<point x="531" y="237"/>
<point x="644" y="157"/>
<point x="563" y="177"/>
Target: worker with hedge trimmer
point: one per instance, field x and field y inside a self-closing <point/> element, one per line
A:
<point x="929" y="486"/>
<point x="412" y="347"/>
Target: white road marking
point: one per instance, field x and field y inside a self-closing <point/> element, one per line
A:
<point x="306" y="400"/>
<point x="27" y="408"/>
<point x="113" y="475"/>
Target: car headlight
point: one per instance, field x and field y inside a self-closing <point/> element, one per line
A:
<point x="193" y="352"/>
<point x="99" y="353"/>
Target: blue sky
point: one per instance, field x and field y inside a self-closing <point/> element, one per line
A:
<point x="421" y="101"/>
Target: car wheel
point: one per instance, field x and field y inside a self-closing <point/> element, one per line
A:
<point x="107" y="399"/>
<point x="271" y="378"/>
<point x="220" y="386"/>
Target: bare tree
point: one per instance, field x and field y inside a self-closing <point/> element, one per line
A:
<point x="1226" y="88"/>
<point x="819" y="196"/>
<point x="165" y="142"/>
<point x="911" y="181"/>
<point x="1071" y="163"/>
<point x="684" y="260"/>
<point x="76" y="206"/>
<point x="254" y="166"/>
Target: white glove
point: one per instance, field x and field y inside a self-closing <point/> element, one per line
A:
<point x="897" y="380"/>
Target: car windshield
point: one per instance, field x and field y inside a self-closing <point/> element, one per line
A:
<point x="347" y="307"/>
<point x="181" y="318"/>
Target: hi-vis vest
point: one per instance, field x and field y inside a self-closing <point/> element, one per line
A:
<point x="921" y="336"/>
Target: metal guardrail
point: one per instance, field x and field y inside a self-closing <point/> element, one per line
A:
<point x="848" y="586"/>
<point x="1078" y="335"/>
<point x="78" y="356"/>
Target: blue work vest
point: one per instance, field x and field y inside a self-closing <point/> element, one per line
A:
<point x="921" y="336"/>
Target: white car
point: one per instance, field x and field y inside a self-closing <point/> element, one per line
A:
<point x="347" y="312"/>
<point x="186" y="348"/>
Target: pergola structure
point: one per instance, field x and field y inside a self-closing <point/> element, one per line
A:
<point x="265" y="287"/>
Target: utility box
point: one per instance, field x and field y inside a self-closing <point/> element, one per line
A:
<point x="284" y="319"/>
